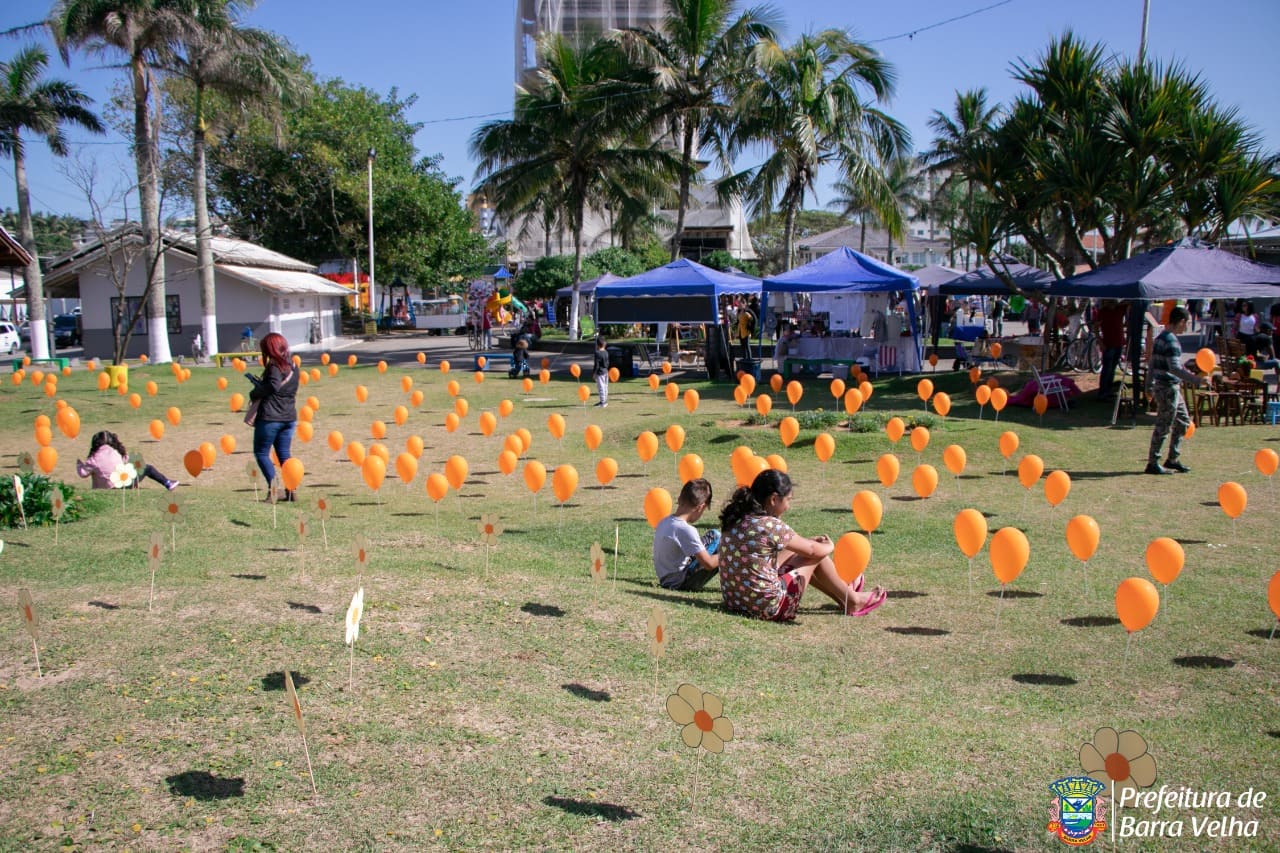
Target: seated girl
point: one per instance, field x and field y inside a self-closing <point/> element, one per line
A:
<point x="765" y="566"/>
<point x="106" y="453"/>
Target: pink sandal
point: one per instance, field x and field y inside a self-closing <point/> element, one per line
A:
<point x="875" y="602"/>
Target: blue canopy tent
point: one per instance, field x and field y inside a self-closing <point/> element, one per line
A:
<point x="586" y="292"/>
<point x="1183" y="270"/>
<point x="846" y="271"/>
<point x="682" y="291"/>
<point x="984" y="282"/>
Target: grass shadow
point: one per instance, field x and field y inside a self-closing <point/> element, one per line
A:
<point x="601" y="811"/>
<point x="676" y="599"/>
<point x="1015" y="593"/>
<point x="907" y="593"/>
<point x="275" y="680"/>
<point x="105" y="605"/>
<point x="306" y="608"/>
<point x="239" y="523"/>
<point x="1204" y="662"/>
<point x="1043" y="679"/>
<point x="584" y="692"/>
<point x="245" y="577"/>
<point x="204" y="786"/>
<point x="1260" y="633"/>
<point x="1091" y="621"/>
<point x="917" y="631"/>
<point x="535" y="609"/>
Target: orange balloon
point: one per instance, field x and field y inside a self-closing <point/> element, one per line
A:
<point x="794" y="392"/>
<point x="455" y="471"/>
<point x="1009" y="552"/>
<point x="824" y="446"/>
<point x="351" y="361"/>
<point x="378" y="430"/>
<point x="575" y="371"/>
<point x="157" y="430"/>
<point x="674" y="437"/>
<point x="526" y="384"/>
<point x="690" y="467"/>
<point x="999" y="399"/>
<point x="1165" y="559"/>
<point x="865" y="389"/>
<point x="837" y="388"/>
<point x="775" y="383"/>
<point x="894" y="429"/>
<point x="764" y="403"/>
<point x="924" y="389"/>
<point x="1232" y="498"/>
<point x="1273" y="594"/>
<point x="362" y="393"/>
<point x="228" y="444"/>
<point x="416" y="398"/>
<point x="1029" y="470"/>
<point x="942" y="404"/>
<point x="1136" y="603"/>
<point x="174" y="415"/>
<point x="152" y="389"/>
<point x="924" y="480"/>
<point x="752" y="468"/>
<point x="506" y="407"/>
<point x="671" y="392"/>
<point x="868" y="510"/>
<point x="356" y="453"/>
<point x="291" y="473"/>
<point x="306" y="413"/>
<point x="406" y="467"/>
<point x="555" y="425"/>
<point x="646" y="445"/>
<point x="193" y="462"/>
<point x="335" y="441"/>
<point x="379" y="449"/>
<point x="993" y="383"/>
<point x="315" y="374"/>
<point x="691" y="399"/>
<point x="1082" y="537"/>
<point x="406" y="384"/>
<point x="657" y="505"/>
<point x="666" y="368"/>
<point x="544" y="376"/>
<point x="606" y="470"/>
<point x="653" y="381"/>
<point x="851" y="556"/>
<point x="933" y="359"/>
<point x="1266" y="460"/>
<point x="46" y="458"/>
<point x="535" y="475"/>
<point x="478" y="376"/>
<point x="104" y="380"/>
<point x="400" y="414"/>
<point x="208" y="454"/>
<point x="614" y="374"/>
<point x="382" y="366"/>
<point x="42" y="421"/>
<point x="526" y="439"/>
<point x="44" y="436"/>
<point x="852" y="401"/>
<point x="461" y="406"/>
<point x="1040" y="404"/>
<point x="583" y="393"/>
<point x="748" y="383"/>
<point x="452" y="387"/>
<point x="970" y="528"/>
<point x="422" y="358"/>
<point x="773" y="461"/>
<point x="1206" y="360"/>
<point x="954" y="457"/>
<point x="444" y="366"/>
<point x="564" y="482"/>
<point x="507" y="461"/>
<point x="887" y="468"/>
<point x="488" y="423"/>
<point x="324" y="358"/>
<point x="437" y="487"/>
<point x="919" y="439"/>
<point x="1056" y="487"/>
<point x="374" y="470"/>
<point x="997" y="350"/>
<point x="788" y="430"/>
<point x="513" y="443"/>
<point x="1008" y="443"/>
<point x="306" y="431"/>
<point x="592" y="436"/>
<point x="333" y="370"/>
<point x="982" y="395"/>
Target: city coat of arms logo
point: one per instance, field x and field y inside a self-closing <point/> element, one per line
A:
<point x="1077" y="815"/>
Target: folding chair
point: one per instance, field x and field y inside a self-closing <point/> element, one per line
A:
<point x="1051" y="385"/>
<point x="886" y="358"/>
<point x="963" y="360"/>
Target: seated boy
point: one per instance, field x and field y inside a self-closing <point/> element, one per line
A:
<point x="682" y="559"/>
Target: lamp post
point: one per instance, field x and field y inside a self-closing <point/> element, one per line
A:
<point x="372" y="287"/>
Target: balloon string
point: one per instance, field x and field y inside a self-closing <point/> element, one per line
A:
<point x="971" y="575"/>
<point x="1000" y="605"/>
<point x="1127" y="641"/>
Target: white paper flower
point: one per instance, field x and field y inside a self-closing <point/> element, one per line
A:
<point x="123" y="476"/>
<point x="354" y="612"/>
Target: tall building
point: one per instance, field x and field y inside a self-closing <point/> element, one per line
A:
<point x="575" y="18"/>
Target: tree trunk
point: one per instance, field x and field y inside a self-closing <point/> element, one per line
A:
<point x="788" y="237"/>
<point x="204" y="235"/>
<point x="686" y="177"/>
<point x="577" y="275"/>
<point x="36" y="315"/>
<point x="145" y="156"/>
<point x="862" y="237"/>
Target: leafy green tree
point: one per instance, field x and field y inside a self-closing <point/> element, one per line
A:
<point x="548" y="274"/>
<point x="723" y="261"/>
<point x="768" y="237"/>
<point x="54" y="233"/>
<point x="39" y="107"/>
<point x="620" y="262"/>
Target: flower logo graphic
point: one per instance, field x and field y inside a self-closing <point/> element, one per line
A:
<point x="123" y="476"/>
<point x="599" y="568"/>
<point x="490" y="529"/>
<point x="658" y="632"/>
<point x="1119" y="758"/>
<point x="701" y="716"/>
<point x="354" y="612"/>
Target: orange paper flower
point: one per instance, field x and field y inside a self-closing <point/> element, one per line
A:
<point x="155" y="549"/>
<point x="171" y="506"/>
<point x="322" y="507"/>
<point x="490" y="529"/>
<point x="702" y="717"/>
<point x="57" y="504"/>
<point x="599" y="568"/>
<point x="658" y="632"/>
<point x="1119" y="758"/>
<point x="360" y="547"/>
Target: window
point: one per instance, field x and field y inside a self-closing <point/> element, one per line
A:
<point x="132" y="312"/>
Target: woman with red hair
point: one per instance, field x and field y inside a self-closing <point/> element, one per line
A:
<point x="275" y="395"/>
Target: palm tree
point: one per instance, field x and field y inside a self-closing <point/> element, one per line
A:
<point x="961" y="146"/>
<point x="578" y="137"/>
<point x="29" y="104"/>
<point x="247" y="67"/>
<point x="145" y="32"/>
<point x="806" y="107"/>
<point x="698" y="55"/>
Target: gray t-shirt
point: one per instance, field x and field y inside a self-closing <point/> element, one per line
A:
<point x="674" y="541"/>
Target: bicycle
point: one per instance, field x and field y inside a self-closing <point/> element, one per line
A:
<point x="474" y="336"/>
<point x="1084" y="353"/>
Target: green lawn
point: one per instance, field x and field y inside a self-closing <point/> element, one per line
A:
<point x="521" y="708"/>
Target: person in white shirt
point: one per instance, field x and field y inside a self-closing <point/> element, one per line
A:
<point x="683" y="559"/>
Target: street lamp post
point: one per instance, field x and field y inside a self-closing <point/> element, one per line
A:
<point x="372" y="287"/>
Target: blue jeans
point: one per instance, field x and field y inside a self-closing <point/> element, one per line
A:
<point x="269" y="434"/>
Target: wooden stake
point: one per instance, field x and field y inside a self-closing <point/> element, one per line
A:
<point x="616" y="528"/>
<point x="302" y="726"/>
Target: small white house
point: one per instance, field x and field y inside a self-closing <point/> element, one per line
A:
<point x="257" y="289"/>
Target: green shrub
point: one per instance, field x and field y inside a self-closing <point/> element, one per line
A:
<point x="861" y="422"/>
<point x="36" y="501"/>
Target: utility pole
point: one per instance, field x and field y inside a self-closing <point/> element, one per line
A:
<point x="1142" y="43"/>
<point x="372" y="287"/>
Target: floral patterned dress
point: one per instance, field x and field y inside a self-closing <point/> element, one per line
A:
<point x="749" y="578"/>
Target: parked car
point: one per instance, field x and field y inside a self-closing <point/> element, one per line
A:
<point x="9" y="341"/>
<point x="66" y="330"/>
<point x="24" y="334"/>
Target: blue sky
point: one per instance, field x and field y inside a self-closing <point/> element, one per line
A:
<point x="458" y="57"/>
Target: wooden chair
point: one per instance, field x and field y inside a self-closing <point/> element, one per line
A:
<point x="1201" y="402"/>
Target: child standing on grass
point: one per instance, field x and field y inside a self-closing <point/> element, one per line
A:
<point x="682" y="559"/>
<point x="106" y="453"/>
<point x="600" y="370"/>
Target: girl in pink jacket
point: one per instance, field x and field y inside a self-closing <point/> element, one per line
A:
<point x="106" y="453"/>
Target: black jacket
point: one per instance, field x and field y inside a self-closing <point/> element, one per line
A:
<point x="278" y="395"/>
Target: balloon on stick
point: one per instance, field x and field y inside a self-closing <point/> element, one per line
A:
<point x="887" y="468"/>
<point x="983" y="395"/>
<point x="794" y="392"/>
<point x="1233" y="499"/>
<point x="1009" y="552"/>
<point x="535" y="477"/>
<point x="970" y="528"/>
<point x="657" y="505"/>
<point x="924" y="479"/>
<point x="851" y="555"/>
<point x="1008" y="447"/>
<point x="764" y="403"/>
<point x="1273" y="599"/>
<point x="924" y="390"/>
<point x="1056" y="487"/>
<point x="894" y="429"/>
<point x="1137" y="603"/>
<point x="788" y="430"/>
<point x="690" y="467"/>
<point x="919" y="439"/>
<point x="606" y="470"/>
<point x="999" y="399"/>
<point x="646" y="445"/>
<point x="867" y="510"/>
<point x="1082" y="538"/>
<point x="1266" y="461"/>
<point x="1165" y="559"/>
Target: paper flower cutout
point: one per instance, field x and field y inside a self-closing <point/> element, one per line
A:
<point x="154" y="551"/>
<point x="1119" y="758"/>
<point x="360" y="548"/>
<point x="322" y="506"/>
<point x="354" y="612"/>
<point x="658" y="632"/>
<point x="490" y="529"/>
<point x="57" y="504"/>
<point x="171" y="506"/>
<point x="26" y="462"/>
<point x="139" y="466"/>
<point x="122" y="477"/>
<point x="302" y="527"/>
<point x="251" y="469"/>
<point x="599" y="568"/>
<point x="701" y="716"/>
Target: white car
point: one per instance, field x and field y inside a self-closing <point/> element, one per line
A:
<point x="9" y="341"/>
